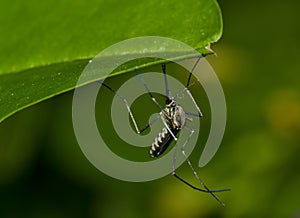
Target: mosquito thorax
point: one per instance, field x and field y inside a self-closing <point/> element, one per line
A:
<point x="178" y="117"/>
<point x="175" y="112"/>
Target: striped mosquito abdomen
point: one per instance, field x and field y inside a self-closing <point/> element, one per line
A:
<point x="162" y="142"/>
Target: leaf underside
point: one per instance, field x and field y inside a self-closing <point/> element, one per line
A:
<point x="46" y="45"/>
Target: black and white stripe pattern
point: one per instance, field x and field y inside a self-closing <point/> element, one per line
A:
<point x="161" y="142"/>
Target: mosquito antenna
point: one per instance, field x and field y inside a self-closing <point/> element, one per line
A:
<point x="191" y="72"/>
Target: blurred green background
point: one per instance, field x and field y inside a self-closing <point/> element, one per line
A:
<point x="43" y="173"/>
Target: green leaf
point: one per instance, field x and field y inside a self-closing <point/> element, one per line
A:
<point x="45" y="45"/>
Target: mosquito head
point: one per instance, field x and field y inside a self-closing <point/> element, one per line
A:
<point x="170" y="102"/>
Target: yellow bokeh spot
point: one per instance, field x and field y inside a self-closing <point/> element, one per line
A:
<point x="283" y="113"/>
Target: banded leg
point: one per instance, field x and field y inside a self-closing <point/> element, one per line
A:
<point x="147" y="89"/>
<point x="138" y="130"/>
<point x="191" y="72"/>
<point x="206" y="189"/>
<point x="166" y="81"/>
<point x="184" y="181"/>
<point x="188" y="91"/>
<point x="168" y="128"/>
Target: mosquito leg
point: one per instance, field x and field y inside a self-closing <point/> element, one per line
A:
<point x="188" y="84"/>
<point x="194" y="102"/>
<point x="168" y="128"/>
<point x="139" y="131"/>
<point x="193" y="114"/>
<point x="151" y="122"/>
<point x="166" y="81"/>
<point x="191" y="72"/>
<point x="184" y="181"/>
<point x="146" y="87"/>
<point x="199" y="114"/>
<point x="194" y="171"/>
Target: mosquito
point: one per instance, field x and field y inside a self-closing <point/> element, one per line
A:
<point x="174" y="118"/>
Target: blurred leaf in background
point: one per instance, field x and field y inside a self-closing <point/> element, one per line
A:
<point x="258" y="67"/>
